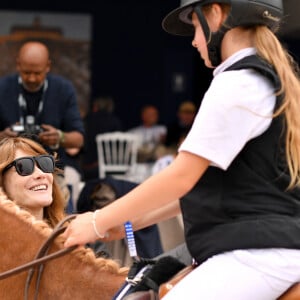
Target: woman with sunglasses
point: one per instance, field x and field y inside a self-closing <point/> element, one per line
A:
<point x="28" y="177"/>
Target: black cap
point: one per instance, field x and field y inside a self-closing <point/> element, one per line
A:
<point x="243" y="12"/>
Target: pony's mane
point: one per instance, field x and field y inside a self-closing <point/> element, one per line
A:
<point x="85" y="254"/>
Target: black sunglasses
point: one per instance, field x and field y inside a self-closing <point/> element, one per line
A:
<point x="25" y="165"/>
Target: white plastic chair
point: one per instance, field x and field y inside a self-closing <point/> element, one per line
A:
<point x="117" y="154"/>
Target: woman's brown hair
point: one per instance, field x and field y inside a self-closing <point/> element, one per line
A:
<point x="8" y="147"/>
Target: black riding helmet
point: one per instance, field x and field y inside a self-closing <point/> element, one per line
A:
<point x="242" y="13"/>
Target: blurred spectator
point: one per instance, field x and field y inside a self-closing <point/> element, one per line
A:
<point x="181" y="126"/>
<point x="151" y="134"/>
<point x="163" y="159"/>
<point x="98" y="193"/>
<point x="171" y="230"/>
<point x="100" y="119"/>
<point x="165" y="156"/>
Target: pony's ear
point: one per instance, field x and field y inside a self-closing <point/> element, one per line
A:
<point x="102" y="195"/>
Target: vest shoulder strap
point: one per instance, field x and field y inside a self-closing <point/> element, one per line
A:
<point x="260" y="65"/>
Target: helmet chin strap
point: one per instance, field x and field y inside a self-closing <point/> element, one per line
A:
<point x="213" y="39"/>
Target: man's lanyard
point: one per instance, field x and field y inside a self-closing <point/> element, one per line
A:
<point x="23" y="104"/>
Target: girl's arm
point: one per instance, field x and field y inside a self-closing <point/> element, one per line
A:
<point x="156" y="192"/>
<point x="163" y="213"/>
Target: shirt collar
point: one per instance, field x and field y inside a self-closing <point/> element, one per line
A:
<point x="233" y="59"/>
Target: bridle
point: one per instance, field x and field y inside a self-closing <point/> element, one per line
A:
<point x="41" y="257"/>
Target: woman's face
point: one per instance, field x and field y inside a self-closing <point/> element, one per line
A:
<point x="32" y="192"/>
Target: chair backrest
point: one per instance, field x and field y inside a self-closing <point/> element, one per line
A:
<point x="117" y="153"/>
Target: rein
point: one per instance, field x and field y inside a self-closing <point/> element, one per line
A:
<point x="41" y="258"/>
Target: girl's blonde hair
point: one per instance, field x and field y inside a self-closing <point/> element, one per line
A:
<point x="8" y="147"/>
<point x="269" y="48"/>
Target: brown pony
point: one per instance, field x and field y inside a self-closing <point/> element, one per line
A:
<point x="77" y="275"/>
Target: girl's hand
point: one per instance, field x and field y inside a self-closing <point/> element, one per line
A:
<point x="80" y="231"/>
<point x="116" y="233"/>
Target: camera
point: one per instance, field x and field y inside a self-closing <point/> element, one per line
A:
<point x="29" y="128"/>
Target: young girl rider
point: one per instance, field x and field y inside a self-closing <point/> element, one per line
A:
<point x="237" y="172"/>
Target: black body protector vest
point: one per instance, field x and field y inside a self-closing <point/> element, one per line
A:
<point x="248" y="205"/>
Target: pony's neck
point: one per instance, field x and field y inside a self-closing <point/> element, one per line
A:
<point x="77" y="275"/>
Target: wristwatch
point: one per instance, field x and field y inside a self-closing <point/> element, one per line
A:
<point x="61" y="139"/>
